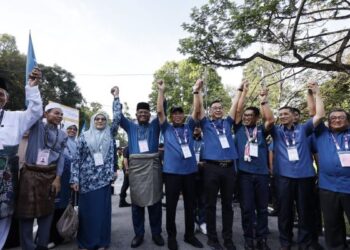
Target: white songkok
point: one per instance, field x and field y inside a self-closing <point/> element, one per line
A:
<point x="52" y="105"/>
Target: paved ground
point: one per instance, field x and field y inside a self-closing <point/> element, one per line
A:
<point x="122" y="230"/>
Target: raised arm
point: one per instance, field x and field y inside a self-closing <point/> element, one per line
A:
<point x="235" y="99"/>
<point x="160" y="102"/>
<point x="320" y="113"/>
<point x="241" y="101"/>
<point x="198" y="108"/>
<point x="117" y="111"/>
<point x="266" y="110"/>
<point x="311" y="105"/>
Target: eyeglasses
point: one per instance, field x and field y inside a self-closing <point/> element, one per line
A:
<point x="340" y="118"/>
<point x="217" y="108"/>
<point x="100" y="119"/>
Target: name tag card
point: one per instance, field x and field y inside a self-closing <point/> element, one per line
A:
<point x="344" y="157"/>
<point x="143" y="146"/>
<point x="197" y="157"/>
<point x="43" y="157"/>
<point x="98" y="158"/>
<point x="223" y="141"/>
<point x="293" y="154"/>
<point x="186" y="151"/>
<point x="1" y="146"/>
<point x="253" y="149"/>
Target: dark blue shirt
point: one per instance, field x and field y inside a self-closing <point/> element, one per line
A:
<point x="136" y="132"/>
<point x="294" y="169"/>
<point x="257" y="165"/>
<point x="212" y="149"/>
<point x="174" y="160"/>
<point x="332" y="176"/>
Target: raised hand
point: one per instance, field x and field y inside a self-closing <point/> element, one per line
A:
<point x="115" y="91"/>
<point x="198" y="85"/>
<point x="34" y="77"/>
<point x="161" y="85"/>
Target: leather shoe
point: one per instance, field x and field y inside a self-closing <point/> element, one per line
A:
<point x="137" y="241"/>
<point x="214" y="244"/>
<point x="193" y="241"/>
<point x="172" y="244"/>
<point x="229" y="245"/>
<point x="158" y="240"/>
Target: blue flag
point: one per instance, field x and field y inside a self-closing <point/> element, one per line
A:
<point x="31" y="60"/>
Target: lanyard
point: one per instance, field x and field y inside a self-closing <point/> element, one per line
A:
<point x="216" y="129"/>
<point x="346" y="142"/>
<point x="46" y="139"/>
<point x="142" y="132"/>
<point x="185" y="134"/>
<point x="254" y="135"/>
<point x="286" y="138"/>
<point x="1" y="116"/>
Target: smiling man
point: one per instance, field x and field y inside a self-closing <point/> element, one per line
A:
<point x="13" y="124"/>
<point x="296" y="173"/>
<point x="333" y="145"/>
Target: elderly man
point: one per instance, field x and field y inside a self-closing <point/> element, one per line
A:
<point x="334" y="176"/>
<point x="13" y="125"/>
<point x="145" y="175"/>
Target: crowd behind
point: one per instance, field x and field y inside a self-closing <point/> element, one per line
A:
<point x="200" y="157"/>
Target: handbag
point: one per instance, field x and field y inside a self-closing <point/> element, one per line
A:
<point x="67" y="225"/>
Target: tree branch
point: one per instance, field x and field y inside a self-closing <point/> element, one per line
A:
<point x="300" y="10"/>
<point x="322" y="34"/>
<point x="342" y="48"/>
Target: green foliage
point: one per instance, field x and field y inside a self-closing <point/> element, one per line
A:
<point x="299" y="30"/>
<point x="179" y="78"/>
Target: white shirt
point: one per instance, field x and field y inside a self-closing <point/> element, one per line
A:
<point x="15" y="123"/>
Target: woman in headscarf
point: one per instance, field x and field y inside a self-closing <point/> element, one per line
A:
<point x="63" y="197"/>
<point x="92" y="172"/>
<point x="40" y="178"/>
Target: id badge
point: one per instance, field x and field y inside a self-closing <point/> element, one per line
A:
<point x="253" y="149"/>
<point x="186" y="151"/>
<point x="293" y="154"/>
<point x="1" y="146"/>
<point x="43" y="157"/>
<point x="98" y="158"/>
<point x="197" y="157"/>
<point x="143" y="146"/>
<point x="223" y="141"/>
<point x="344" y="157"/>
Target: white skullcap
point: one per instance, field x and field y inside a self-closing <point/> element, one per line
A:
<point x="52" y="105"/>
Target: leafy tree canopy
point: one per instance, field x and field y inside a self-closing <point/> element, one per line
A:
<point x="180" y="77"/>
<point x="308" y="34"/>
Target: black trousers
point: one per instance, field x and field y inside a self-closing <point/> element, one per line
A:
<point x="124" y="187"/>
<point x="333" y="206"/>
<point x="219" y="178"/>
<point x="300" y="191"/>
<point x="174" y="184"/>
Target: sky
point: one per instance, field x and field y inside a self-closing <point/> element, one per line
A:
<point x="104" y="43"/>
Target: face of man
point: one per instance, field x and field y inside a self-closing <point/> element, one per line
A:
<point x="177" y="118"/>
<point x="143" y="116"/>
<point x="338" y="121"/>
<point x="249" y="118"/>
<point x="100" y="122"/>
<point x="286" y="116"/>
<point x="296" y="117"/>
<point x="216" y="111"/>
<point x="3" y="97"/>
<point x="71" y="131"/>
<point x="54" y="116"/>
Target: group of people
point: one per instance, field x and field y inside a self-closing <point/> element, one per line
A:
<point x="206" y="153"/>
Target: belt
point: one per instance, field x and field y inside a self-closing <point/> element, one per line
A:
<point x="223" y="164"/>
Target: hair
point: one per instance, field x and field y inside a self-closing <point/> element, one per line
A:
<point x="291" y="109"/>
<point x="255" y="110"/>
<point x="296" y="110"/>
<point x="215" y="101"/>
<point x="340" y="110"/>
